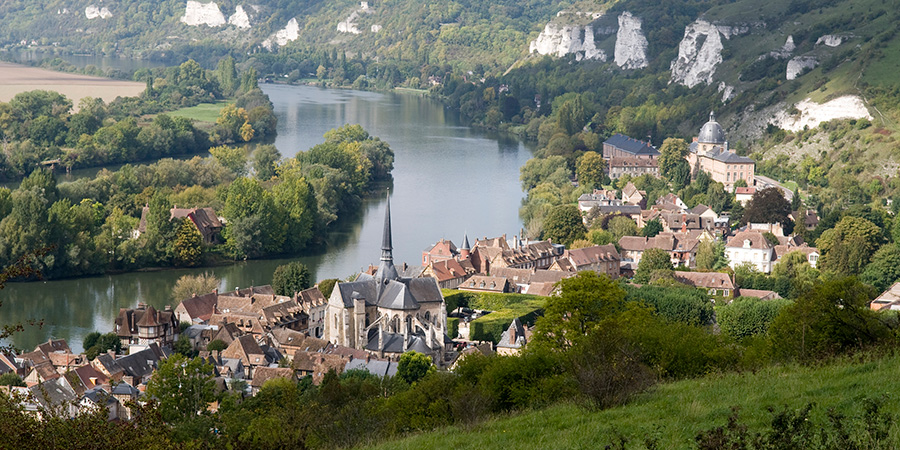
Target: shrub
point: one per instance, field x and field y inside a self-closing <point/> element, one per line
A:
<point x="686" y="305"/>
<point x="747" y="316"/>
<point x="452" y="327"/>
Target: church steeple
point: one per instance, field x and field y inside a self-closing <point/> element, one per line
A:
<point x="386" y="270"/>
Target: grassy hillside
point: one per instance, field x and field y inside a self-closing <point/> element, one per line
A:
<point x="674" y="413"/>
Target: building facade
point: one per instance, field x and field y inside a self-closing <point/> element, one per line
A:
<point x="709" y="153"/>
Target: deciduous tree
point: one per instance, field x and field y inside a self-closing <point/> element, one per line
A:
<point x="291" y="278"/>
<point x="564" y="224"/>
<point x="652" y="260"/>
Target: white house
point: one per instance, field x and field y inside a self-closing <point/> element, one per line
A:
<point x="750" y="246"/>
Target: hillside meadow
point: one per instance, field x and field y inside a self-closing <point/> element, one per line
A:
<point x="15" y="79"/>
<point x="671" y="415"/>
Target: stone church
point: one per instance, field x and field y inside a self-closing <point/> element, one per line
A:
<point x="387" y="315"/>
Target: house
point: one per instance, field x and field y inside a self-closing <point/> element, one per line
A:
<point x="743" y="195"/>
<point x="750" y="247"/>
<point x="682" y="247"/>
<point x="198" y="308"/>
<point x="442" y="250"/>
<point x="716" y="284"/>
<point x="449" y="273"/>
<point x="139" y="366"/>
<point x="514" y="339"/>
<point x="671" y="199"/>
<point x="263" y="374"/>
<point x="316" y="365"/>
<point x="807" y="218"/>
<point x="757" y="293"/>
<point x="106" y="364"/>
<point x="709" y="153"/>
<point x="387" y="314"/>
<point x="531" y="280"/>
<point x="248" y="351"/>
<point x="600" y="197"/>
<point x="55" y="394"/>
<point x="205" y="219"/>
<point x="632" y="196"/>
<point x="496" y="252"/>
<point x="146" y="325"/>
<point x="379" y="367"/>
<point x="619" y="145"/>
<point x="603" y="259"/>
<point x="314" y="305"/>
<point x="633" y="166"/>
<point x="811" y="253"/>
<point x="97" y="398"/>
<point x="888" y="300"/>
<point x="684" y="222"/>
<point x="289" y="341"/>
<point x="485" y="283"/>
<point x="124" y="393"/>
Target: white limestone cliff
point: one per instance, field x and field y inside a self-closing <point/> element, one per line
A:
<point x="348" y="25"/>
<point x="291" y="32"/>
<point x="562" y="40"/>
<point x="700" y="52"/>
<point x="93" y="12"/>
<point x="727" y="91"/>
<point x="208" y="14"/>
<point x="240" y="18"/>
<point x="831" y="40"/>
<point x="375" y="28"/>
<point x="797" y="65"/>
<point x="631" y="45"/>
<point x="812" y="114"/>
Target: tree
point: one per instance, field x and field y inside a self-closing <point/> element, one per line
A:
<point x="672" y="152"/>
<point x="189" y="285"/>
<point x="582" y="303"/>
<point x="414" y="366"/>
<point x="11" y="379"/>
<point x="232" y="158"/>
<point x="848" y="247"/>
<point x="184" y="347"/>
<point x="590" y="170"/>
<point x="652" y="228"/>
<point x="184" y="387"/>
<point x="652" y="260"/>
<point x="291" y="278"/>
<point x="711" y="255"/>
<point x="216" y="345"/>
<point x="265" y="161"/>
<point x="767" y="206"/>
<point x="884" y="269"/>
<point x="188" y="245"/>
<point x="564" y="225"/>
<point x="327" y="285"/>
<point x="95" y="344"/>
<point x="621" y="226"/>
<point x="831" y="318"/>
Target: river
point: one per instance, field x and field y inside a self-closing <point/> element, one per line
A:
<point x="449" y="179"/>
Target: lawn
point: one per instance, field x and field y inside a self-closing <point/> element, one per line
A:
<point x="673" y="414"/>
<point x="204" y="112"/>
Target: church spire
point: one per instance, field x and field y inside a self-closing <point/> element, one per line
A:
<point x="386" y="270"/>
<point x="387" y="245"/>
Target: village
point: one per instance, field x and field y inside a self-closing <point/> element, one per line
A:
<point x="252" y="335"/>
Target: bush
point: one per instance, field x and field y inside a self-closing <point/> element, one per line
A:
<point x="452" y="327"/>
<point x="747" y="316"/>
<point x="686" y="305"/>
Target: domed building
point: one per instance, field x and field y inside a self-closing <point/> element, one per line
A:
<point x="709" y="152"/>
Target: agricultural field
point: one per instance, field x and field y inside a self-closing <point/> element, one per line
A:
<point x="15" y="79"/>
<point x="204" y="112"/>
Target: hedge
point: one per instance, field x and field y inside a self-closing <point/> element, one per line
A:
<point x="491" y="326"/>
<point x="686" y="305"/>
<point x="452" y="327"/>
<point x="748" y="316"/>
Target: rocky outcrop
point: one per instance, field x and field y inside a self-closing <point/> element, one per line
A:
<point x="375" y="28"/>
<point x="831" y="40"/>
<point x="631" y="45"/>
<point x="240" y="18"/>
<point x="562" y="40"/>
<point x="700" y="52"/>
<point x="348" y="25"/>
<point x="797" y="65"/>
<point x="93" y="12"/>
<point x="208" y="14"/>
<point x="812" y="114"/>
<point x="727" y="91"/>
<point x="281" y="37"/>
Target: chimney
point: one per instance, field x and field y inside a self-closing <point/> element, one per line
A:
<point x="168" y="307"/>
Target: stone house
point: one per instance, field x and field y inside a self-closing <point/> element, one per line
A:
<point x="750" y="247"/>
<point x="716" y="284"/>
<point x="205" y="219"/>
<point x="145" y="325"/>
<point x="633" y="166"/>
<point x="603" y="259"/>
<point x="485" y="283"/>
<point x="709" y="153"/>
<point x="619" y="145"/>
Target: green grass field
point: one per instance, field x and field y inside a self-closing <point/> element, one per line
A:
<point x="674" y="413"/>
<point x="204" y="112"/>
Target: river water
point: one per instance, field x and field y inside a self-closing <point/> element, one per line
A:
<point x="449" y="179"/>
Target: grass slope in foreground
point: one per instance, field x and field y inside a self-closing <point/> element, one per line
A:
<point x="674" y="413"/>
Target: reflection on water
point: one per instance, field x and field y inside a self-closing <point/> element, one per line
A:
<point x="448" y="179"/>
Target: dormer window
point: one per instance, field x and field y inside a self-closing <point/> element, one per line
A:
<point x="747" y="243"/>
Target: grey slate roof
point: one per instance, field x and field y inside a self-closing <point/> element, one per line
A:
<point x="381" y="368"/>
<point x="631" y="145"/>
<point x="124" y="388"/>
<point x="711" y="132"/>
<point x="140" y="364"/>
